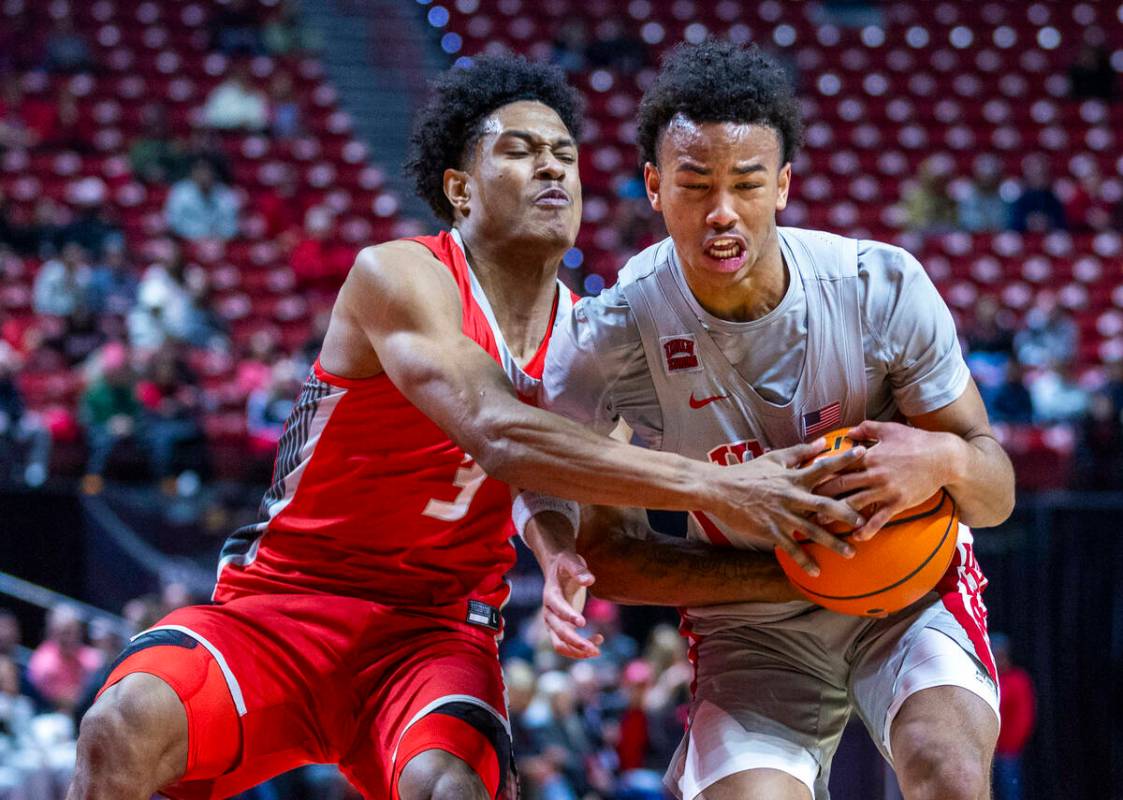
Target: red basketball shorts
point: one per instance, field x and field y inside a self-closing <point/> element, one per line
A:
<point x="272" y="682"/>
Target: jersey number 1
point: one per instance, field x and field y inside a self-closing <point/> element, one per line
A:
<point x="469" y="478"/>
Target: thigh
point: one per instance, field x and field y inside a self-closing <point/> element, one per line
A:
<point x="758" y="706"/>
<point x="758" y="784"/>
<point x="921" y="650"/>
<point x="257" y="681"/>
<point x="433" y="687"/>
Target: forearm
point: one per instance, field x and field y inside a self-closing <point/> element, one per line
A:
<point x="543" y="452"/>
<point x="981" y="479"/>
<point x="635" y="565"/>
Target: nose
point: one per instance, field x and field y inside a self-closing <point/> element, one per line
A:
<point x="548" y="167"/>
<point x="722" y="216"/>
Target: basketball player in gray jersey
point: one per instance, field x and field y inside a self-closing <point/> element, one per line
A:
<point x="734" y="337"/>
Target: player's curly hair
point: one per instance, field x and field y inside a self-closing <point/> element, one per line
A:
<point x="718" y="81"/>
<point x="446" y="130"/>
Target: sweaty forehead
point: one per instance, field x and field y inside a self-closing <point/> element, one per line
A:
<point x="687" y="140"/>
<point x="528" y="116"/>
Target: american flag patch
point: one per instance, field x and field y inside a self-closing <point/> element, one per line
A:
<point x="822" y="420"/>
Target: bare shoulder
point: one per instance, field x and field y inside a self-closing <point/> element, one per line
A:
<point x="394" y="265"/>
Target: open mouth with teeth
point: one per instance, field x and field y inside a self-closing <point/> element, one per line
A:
<point x="725" y="255"/>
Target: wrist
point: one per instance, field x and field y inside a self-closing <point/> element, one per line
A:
<point x="706" y="488"/>
<point x="952" y="458"/>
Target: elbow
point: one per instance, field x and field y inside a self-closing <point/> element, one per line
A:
<point x="494" y="447"/>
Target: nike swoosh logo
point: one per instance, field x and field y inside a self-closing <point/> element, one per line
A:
<point x="705" y="401"/>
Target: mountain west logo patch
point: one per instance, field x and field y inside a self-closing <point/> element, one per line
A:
<point x="679" y="354"/>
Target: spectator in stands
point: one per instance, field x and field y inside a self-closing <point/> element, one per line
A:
<point x="981" y="207"/>
<point x="236" y="29"/>
<point x="23" y="776"/>
<point x="108" y="640"/>
<point x="155" y="155"/>
<point x="110" y="411"/>
<point x="558" y="734"/>
<point x="1113" y="383"/>
<point x="990" y="330"/>
<point x="1037" y="209"/>
<point x="79" y="336"/>
<point x="66" y="50"/>
<point x="1057" y="396"/>
<point x="1050" y="333"/>
<point x="164" y="301"/>
<point x="199" y="207"/>
<point x="91" y="226"/>
<point x="319" y="259"/>
<point x="1018" y="712"/>
<point x="1088" y="208"/>
<point x="236" y="104"/>
<point x="1091" y="76"/>
<point x="62" y="664"/>
<point x="113" y="285"/>
<point x="928" y="205"/>
<point x="60" y="286"/>
<point x="172" y="432"/>
<point x="15" y="132"/>
<point x="24" y="438"/>
<point x="204" y="144"/>
<point x="1010" y="400"/>
<point x="282" y="33"/>
<point x="268" y="408"/>
<point x="569" y="45"/>
<point x="70" y="131"/>
<point x="39" y="235"/>
<point x="615" y="47"/>
<point x="1099" y="447"/>
<point x="284" y="108"/>
<point x="11" y="648"/>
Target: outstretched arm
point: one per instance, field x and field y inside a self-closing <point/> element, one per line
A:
<point x="403" y="301"/>
<point x="635" y="565"/>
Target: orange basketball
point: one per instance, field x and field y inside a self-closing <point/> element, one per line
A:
<point x="895" y="568"/>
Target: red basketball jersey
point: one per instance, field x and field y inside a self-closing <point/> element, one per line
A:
<point x="371" y="499"/>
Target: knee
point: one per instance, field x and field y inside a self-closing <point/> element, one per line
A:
<point x="437" y="775"/>
<point x="933" y="767"/>
<point x="132" y="736"/>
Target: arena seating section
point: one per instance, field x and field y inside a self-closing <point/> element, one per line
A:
<point x="158" y="50"/>
<point x="945" y="77"/>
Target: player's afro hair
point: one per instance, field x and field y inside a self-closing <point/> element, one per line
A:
<point x="448" y="127"/>
<point x="717" y="81"/>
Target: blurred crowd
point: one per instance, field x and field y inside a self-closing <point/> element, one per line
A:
<point x="591" y="730"/>
<point x="134" y="326"/>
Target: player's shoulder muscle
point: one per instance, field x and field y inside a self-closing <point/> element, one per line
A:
<point x="399" y="278"/>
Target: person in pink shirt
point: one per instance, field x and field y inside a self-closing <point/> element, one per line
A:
<point x="60" y="666"/>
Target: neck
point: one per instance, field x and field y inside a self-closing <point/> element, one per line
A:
<point x="753" y="292"/>
<point x="520" y="285"/>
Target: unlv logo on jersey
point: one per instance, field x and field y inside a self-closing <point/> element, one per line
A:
<point x="727" y="455"/>
<point x="678" y="354"/>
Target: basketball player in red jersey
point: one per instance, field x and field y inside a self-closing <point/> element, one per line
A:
<point x="357" y="623"/>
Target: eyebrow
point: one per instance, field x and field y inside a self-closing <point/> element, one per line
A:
<point x="740" y="169"/>
<point x="530" y="138"/>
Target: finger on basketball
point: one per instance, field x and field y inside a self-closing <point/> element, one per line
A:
<point x="798" y="555"/>
<point x="796" y="454"/>
<point x="875" y="524"/>
<point x="821" y="535"/>
<point x="814" y="473"/>
<point x="833" y="510"/>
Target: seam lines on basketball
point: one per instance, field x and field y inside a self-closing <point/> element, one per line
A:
<point x="952" y="523"/>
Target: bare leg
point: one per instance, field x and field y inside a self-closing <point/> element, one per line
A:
<point x="943" y="742"/>
<point x="438" y="775"/>
<point x="132" y="742"/>
<point x="758" y="784"/>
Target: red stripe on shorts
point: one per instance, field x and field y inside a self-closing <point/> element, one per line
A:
<point x="961" y="590"/>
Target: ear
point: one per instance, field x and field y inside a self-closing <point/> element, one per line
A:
<point x="783" y="184"/>
<point x="457" y="190"/>
<point x="651" y="184"/>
